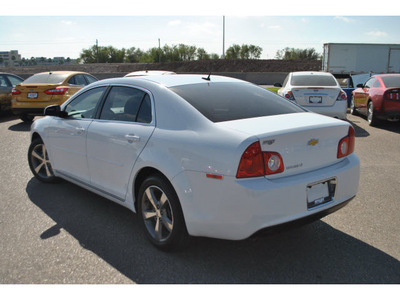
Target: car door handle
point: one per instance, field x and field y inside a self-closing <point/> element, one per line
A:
<point x="80" y="130"/>
<point x="132" y="138"/>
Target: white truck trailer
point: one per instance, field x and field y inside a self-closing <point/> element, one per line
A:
<point x="344" y="59"/>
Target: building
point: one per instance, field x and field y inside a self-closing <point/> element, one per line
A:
<point x="10" y="58"/>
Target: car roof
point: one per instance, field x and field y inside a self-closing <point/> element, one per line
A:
<point x="149" y="72"/>
<point x="301" y="73"/>
<point x="62" y="72"/>
<point x="386" y="75"/>
<point x="169" y="80"/>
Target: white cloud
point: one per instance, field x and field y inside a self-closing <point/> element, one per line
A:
<point x="344" y="19"/>
<point x="275" y="27"/>
<point x="377" y="33"/>
<point x="66" y="22"/>
<point x="174" y="23"/>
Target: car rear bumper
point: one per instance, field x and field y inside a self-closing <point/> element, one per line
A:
<point x="338" y="110"/>
<point x="236" y="209"/>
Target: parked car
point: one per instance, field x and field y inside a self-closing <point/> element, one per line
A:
<point x="43" y="89"/>
<point x="147" y="73"/>
<point x="7" y="82"/>
<point x="316" y="91"/>
<point x="378" y="98"/>
<point x="192" y="158"/>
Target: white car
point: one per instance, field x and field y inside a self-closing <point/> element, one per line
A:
<point x="197" y="155"/>
<point x="316" y="91"/>
<point x="148" y="73"/>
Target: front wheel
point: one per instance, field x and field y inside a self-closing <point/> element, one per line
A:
<point x="39" y="162"/>
<point x="353" y="109"/>
<point x="161" y="214"/>
<point x="27" y="118"/>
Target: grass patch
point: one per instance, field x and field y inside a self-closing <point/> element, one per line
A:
<point x="273" y="89"/>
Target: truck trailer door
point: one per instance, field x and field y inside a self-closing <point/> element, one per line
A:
<point x="394" y="60"/>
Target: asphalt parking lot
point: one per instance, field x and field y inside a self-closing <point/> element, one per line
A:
<point x="61" y="233"/>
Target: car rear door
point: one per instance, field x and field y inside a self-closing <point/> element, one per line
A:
<point x="116" y="139"/>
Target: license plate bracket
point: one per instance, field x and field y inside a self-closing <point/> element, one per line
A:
<point x="320" y="193"/>
<point x="315" y="99"/>
<point x="32" y="95"/>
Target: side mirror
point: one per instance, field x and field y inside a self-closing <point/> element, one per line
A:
<point x="55" y="110"/>
<point x="277" y="84"/>
<point x="360" y="85"/>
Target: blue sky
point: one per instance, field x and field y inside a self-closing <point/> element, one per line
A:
<point x="37" y="34"/>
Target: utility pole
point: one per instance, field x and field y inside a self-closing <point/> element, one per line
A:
<point x="159" y="51"/>
<point x="223" y="37"/>
<point x="97" y="51"/>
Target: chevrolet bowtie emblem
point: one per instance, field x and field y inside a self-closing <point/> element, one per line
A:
<point x="313" y="142"/>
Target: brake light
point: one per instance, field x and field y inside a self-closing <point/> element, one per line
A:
<point x="56" y="91"/>
<point x="14" y="91"/>
<point x="289" y="95"/>
<point x="346" y="144"/>
<point x="342" y="96"/>
<point x="255" y="163"/>
<point x="392" y="95"/>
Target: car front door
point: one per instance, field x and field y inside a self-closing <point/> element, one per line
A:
<point x="67" y="136"/>
<point x="116" y="139"/>
<point x="361" y="95"/>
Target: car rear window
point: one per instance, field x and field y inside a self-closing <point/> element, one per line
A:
<point x="391" y="82"/>
<point x="313" y="80"/>
<point x="46" y="78"/>
<point x="233" y="101"/>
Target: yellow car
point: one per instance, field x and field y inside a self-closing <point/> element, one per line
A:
<point x="32" y="96"/>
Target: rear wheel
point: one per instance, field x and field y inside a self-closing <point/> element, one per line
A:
<point x="39" y="162"/>
<point x="161" y="214"/>
<point x="371" y="115"/>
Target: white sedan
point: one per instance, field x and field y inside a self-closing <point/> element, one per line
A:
<point x="316" y="91"/>
<point x="197" y="155"/>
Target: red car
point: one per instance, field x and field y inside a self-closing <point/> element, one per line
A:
<point x="378" y="98"/>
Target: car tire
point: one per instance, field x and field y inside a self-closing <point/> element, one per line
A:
<point x="161" y="214"/>
<point x="27" y="118"/>
<point x="39" y="162"/>
<point x="372" y="121"/>
<point x="353" y="109"/>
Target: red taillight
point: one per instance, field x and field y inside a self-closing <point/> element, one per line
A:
<point x="14" y="91"/>
<point x="392" y="95"/>
<point x="56" y="91"/>
<point x="346" y="144"/>
<point x="289" y="95"/>
<point x="255" y="163"/>
<point x="342" y="96"/>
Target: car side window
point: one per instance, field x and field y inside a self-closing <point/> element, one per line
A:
<point x="90" y="79"/>
<point x="123" y="104"/>
<point x="377" y="84"/>
<point x="369" y="83"/>
<point x="14" y="80"/>
<point x="285" y="81"/>
<point x="84" y="105"/>
<point x="3" y="82"/>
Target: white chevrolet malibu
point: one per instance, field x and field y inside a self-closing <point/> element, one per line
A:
<point x="197" y="156"/>
<point x="316" y="91"/>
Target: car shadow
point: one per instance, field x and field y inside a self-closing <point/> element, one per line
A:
<point x="359" y="131"/>
<point x="22" y="126"/>
<point x="315" y="253"/>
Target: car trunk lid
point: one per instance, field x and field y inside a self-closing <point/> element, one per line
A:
<point x="305" y="141"/>
<point x="315" y="96"/>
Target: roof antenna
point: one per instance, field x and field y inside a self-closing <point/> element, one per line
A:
<point x="207" y="78"/>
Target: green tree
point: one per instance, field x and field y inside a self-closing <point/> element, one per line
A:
<point x="233" y="52"/>
<point x="292" y="54"/>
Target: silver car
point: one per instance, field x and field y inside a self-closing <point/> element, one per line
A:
<point x="316" y="91"/>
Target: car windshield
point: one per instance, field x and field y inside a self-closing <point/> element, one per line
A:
<point x="391" y="82"/>
<point x="46" y="78"/>
<point x="233" y="101"/>
<point x="313" y="80"/>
